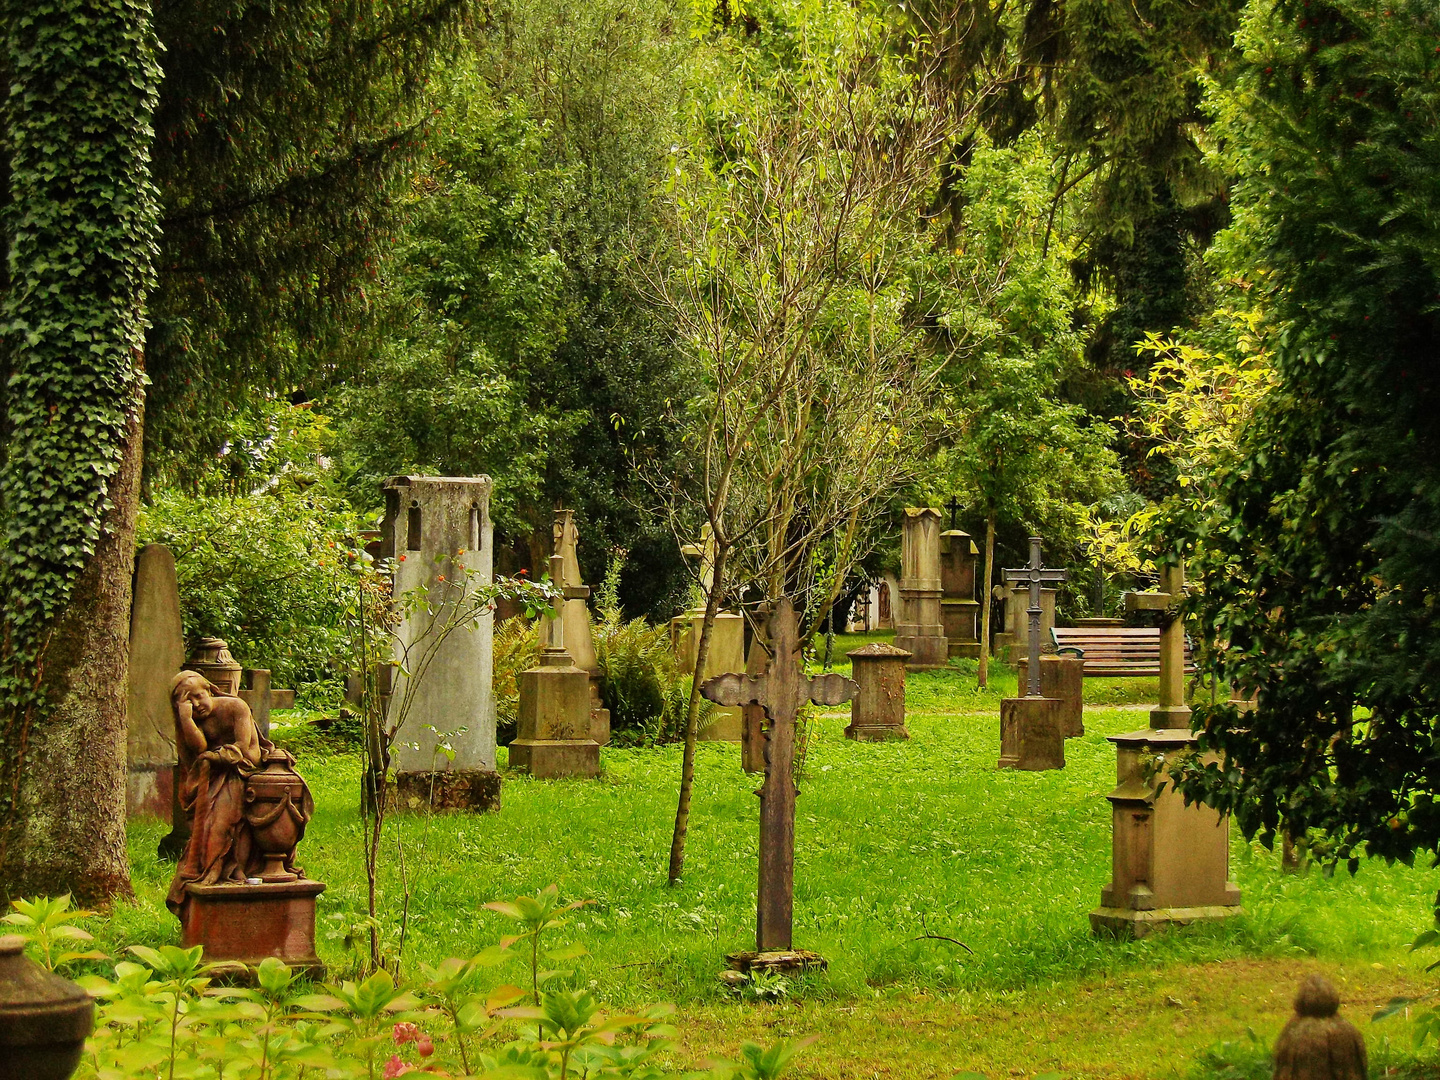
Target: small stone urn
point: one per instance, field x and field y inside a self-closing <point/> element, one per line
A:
<point x="276" y="812"/>
<point x="44" y="1019"/>
<point x="211" y="658"/>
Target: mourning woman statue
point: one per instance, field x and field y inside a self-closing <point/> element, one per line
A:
<point x="247" y="807"/>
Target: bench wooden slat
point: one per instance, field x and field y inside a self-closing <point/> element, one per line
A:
<point x="1111" y="652"/>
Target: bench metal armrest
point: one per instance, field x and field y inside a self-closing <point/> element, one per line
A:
<point x="1070" y="650"/>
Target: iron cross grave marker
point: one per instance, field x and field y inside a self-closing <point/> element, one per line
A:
<point x="1035" y="575"/>
<point x="781" y="692"/>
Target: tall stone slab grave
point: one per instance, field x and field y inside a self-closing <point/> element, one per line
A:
<point x="157" y="652"/>
<point x="436" y="528"/>
<point x="959" y="610"/>
<point x="920" y="631"/>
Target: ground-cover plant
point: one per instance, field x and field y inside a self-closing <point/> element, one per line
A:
<point x="48" y="924"/>
<point x="164" y="1018"/>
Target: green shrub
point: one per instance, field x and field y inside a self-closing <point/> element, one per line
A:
<point x="265" y="572"/>
<point x="641" y="683"/>
<point x="516" y="647"/>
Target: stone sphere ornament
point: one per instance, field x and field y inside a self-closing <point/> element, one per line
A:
<point x="1317" y="1043"/>
<point x="44" y="1019"/>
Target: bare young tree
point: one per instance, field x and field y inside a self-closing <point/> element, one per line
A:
<point x="796" y="227"/>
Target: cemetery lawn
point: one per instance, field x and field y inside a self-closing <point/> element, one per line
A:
<point x="894" y="842"/>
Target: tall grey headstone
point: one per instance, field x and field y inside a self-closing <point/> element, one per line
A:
<point x="157" y="652"/>
<point x="435" y="528"/>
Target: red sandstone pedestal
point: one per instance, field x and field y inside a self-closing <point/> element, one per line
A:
<point x="1031" y="737"/>
<point x="247" y="923"/>
<point x="446" y="790"/>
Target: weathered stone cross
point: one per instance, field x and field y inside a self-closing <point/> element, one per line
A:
<point x="1171" y="712"/>
<point x="1034" y="575"/>
<point x="782" y="691"/>
<point x="555" y="654"/>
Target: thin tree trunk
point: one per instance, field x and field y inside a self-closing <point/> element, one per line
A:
<point x="68" y="830"/>
<point x="985" y="602"/>
<point x="692" y="720"/>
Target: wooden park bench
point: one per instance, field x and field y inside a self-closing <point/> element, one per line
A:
<point x="1111" y="651"/>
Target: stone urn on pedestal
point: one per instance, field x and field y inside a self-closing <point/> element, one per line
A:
<point x="275" y="812"/>
<point x="44" y="1019"/>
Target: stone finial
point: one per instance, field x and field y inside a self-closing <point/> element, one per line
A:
<point x="1317" y="1043"/>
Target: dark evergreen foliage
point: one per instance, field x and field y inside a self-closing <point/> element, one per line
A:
<point x="1322" y="562"/>
<point x="282" y="132"/>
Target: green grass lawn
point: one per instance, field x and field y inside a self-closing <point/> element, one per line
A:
<point x="893" y="841"/>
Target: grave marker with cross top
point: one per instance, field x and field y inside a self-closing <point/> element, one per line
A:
<point x="1171" y="711"/>
<point x="782" y="691"/>
<point x="1035" y="575"/>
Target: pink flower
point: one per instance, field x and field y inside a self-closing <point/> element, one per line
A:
<point x="405" y="1033"/>
<point x="395" y="1067"/>
<point x="423" y="1046"/>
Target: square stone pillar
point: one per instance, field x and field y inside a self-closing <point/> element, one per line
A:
<point x="877" y="711"/>
<point x="1170" y="863"/>
<point x="1063" y="678"/>
<point x="920" y="630"/>
<point x="1031" y="738"/>
<point x="726" y="653"/>
<point x="436" y="528"/>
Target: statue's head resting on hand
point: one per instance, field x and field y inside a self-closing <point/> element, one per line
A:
<point x="192" y="687"/>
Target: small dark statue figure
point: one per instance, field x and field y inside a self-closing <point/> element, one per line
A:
<point x="246" y="804"/>
<point x="1316" y="1043"/>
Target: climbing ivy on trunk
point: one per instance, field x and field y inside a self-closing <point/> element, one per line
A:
<point x="79" y="219"/>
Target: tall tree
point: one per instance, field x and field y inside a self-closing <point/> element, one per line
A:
<point x="79" y="214"/>
<point x="283" y="134"/>
<point x="1319" y="555"/>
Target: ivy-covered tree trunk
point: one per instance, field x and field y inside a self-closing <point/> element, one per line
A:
<point x="79" y="223"/>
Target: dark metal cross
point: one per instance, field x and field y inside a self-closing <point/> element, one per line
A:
<point x="781" y="691"/>
<point x="954" y="507"/>
<point x="1034" y="575"/>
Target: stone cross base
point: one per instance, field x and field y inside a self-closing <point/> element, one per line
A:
<point x="246" y="924"/>
<point x="1124" y="923"/>
<point x="782" y="960"/>
<point x="1061" y="677"/>
<point x="554" y="725"/>
<point x="1031" y="737"/>
<point x="1170" y="863"/>
<point x="462" y="789"/>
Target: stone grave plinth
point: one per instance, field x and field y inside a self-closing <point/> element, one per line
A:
<point x="959" y="610"/>
<point x="1031" y="736"/>
<point x="1062" y="677"/>
<point x="553" y="724"/>
<point x="437" y="530"/>
<point x="877" y="711"/>
<point x="920" y="630"/>
<point x="157" y="652"/>
<point x="726" y="653"/>
<point x="245" y="923"/>
<point x="1170" y="863"/>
